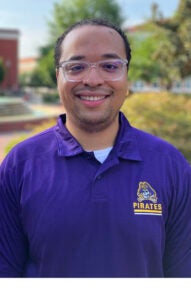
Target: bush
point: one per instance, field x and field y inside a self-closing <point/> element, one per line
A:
<point x="51" y="98"/>
<point x="163" y="114"/>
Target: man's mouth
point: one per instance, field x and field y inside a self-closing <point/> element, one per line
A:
<point x="92" y="98"/>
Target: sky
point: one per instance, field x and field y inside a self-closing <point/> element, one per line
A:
<point x="30" y="17"/>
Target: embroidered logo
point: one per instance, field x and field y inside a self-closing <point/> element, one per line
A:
<point x="146" y="192"/>
<point x="147" y="201"/>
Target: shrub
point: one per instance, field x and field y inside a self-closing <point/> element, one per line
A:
<point x="51" y="98"/>
<point x="163" y="114"/>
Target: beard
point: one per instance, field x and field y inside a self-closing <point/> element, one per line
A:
<point x="92" y="124"/>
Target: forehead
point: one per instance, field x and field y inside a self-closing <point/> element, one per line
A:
<point x="94" y="40"/>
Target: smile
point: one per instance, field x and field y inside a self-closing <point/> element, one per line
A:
<point x="92" y="98"/>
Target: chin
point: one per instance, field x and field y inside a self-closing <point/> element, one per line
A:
<point x="95" y="124"/>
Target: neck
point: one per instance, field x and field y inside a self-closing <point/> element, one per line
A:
<point x="94" y="140"/>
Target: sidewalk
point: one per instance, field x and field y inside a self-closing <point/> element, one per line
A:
<point x="6" y="137"/>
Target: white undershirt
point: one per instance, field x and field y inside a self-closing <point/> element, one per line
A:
<point x="102" y="154"/>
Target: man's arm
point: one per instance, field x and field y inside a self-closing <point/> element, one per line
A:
<point x="177" y="258"/>
<point x="13" y="243"/>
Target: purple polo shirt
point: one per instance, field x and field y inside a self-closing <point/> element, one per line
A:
<point x="64" y="214"/>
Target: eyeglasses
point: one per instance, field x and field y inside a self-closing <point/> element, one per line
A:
<point x="111" y="69"/>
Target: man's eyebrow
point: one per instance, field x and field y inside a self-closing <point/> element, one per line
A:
<point x="76" y="57"/>
<point x="105" y="56"/>
<point x="110" y="55"/>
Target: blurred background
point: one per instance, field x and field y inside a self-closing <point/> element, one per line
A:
<point x="159" y="94"/>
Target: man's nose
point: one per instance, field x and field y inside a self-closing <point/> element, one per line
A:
<point x="93" y="77"/>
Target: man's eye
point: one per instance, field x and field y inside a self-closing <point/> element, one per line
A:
<point x="110" y="67"/>
<point x="75" y="68"/>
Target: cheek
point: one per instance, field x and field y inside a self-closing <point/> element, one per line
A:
<point x="121" y="88"/>
<point x="120" y="93"/>
<point x="64" y="88"/>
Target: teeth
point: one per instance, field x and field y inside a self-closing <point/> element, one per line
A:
<point x="92" y="98"/>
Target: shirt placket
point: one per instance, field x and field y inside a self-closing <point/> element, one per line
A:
<point x="101" y="181"/>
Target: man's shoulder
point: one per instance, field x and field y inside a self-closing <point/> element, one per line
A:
<point x="32" y="147"/>
<point x="150" y="139"/>
<point x="148" y="145"/>
<point x="38" y="139"/>
<point x="154" y="146"/>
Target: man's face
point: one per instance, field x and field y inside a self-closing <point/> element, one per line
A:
<point x="93" y="103"/>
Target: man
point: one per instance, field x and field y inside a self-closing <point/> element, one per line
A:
<point x="93" y="196"/>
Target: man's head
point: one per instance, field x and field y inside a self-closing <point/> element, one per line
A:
<point x="97" y="22"/>
<point x="91" y="59"/>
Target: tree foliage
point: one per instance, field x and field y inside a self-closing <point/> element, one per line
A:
<point x="66" y="13"/>
<point x="174" y="53"/>
<point x="44" y="74"/>
<point x="161" y="47"/>
<point x="144" y="43"/>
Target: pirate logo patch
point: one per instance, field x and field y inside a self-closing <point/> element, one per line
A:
<point x="146" y="192"/>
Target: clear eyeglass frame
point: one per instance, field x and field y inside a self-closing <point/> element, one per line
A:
<point x="110" y="74"/>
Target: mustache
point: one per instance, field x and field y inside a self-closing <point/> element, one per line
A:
<point x="100" y="90"/>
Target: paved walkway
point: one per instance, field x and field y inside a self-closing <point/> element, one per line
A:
<point x="6" y="137"/>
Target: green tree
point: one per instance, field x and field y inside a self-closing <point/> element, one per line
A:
<point x="2" y="70"/>
<point x="44" y="74"/>
<point x="144" y="43"/>
<point x="174" y="53"/>
<point x="161" y="47"/>
<point x="64" y="14"/>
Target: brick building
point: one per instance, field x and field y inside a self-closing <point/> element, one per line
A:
<point x="9" y="41"/>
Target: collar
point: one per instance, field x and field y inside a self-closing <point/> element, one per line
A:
<point x="125" y="147"/>
<point x="67" y="144"/>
